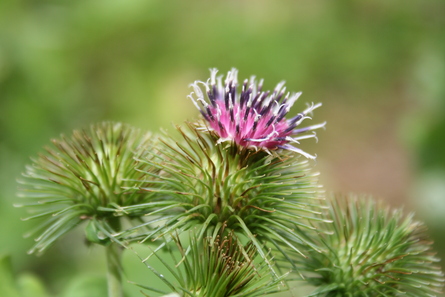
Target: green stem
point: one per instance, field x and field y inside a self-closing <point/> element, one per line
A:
<point x="114" y="274"/>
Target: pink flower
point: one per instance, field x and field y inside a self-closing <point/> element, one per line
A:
<point x="253" y="118"/>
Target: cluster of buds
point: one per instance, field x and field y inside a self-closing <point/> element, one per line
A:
<point x="238" y="183"/>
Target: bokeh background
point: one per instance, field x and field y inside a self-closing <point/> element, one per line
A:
<point x="377" y="66"/>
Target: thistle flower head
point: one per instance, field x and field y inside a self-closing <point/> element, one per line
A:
<point x="252" y="118"/>
<point x="82" y="177"/>
<point x="373" y="251"/>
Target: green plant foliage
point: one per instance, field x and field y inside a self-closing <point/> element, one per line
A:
<point x="81" y="178"/>
<point x="7" y="282"/>
<point x="208" y="186"/>
<point x="218" y="267"/>
<point x="373" y="251"/>
<point x="31" y="286"/>
<point x="86" y="286"/>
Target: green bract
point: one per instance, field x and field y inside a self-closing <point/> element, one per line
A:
<point x="373" y="251"/>
<point x="82" y="178"/>
<point x="270" y="199"/>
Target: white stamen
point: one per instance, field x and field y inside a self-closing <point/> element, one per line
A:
<point x="237" y="116"/>
<point x="235" y="76"/>
<point x="213" y="73"/>
<point x="293" y="98"/>
<point x="252" y="82"/>
<point x="205" y="84"/>
<point x="290" y="139"/>
<point x="307" y="136"/>
<point x="218" y="112"/>
<point x="249" y="102"/>
<point x="302" y="119"/>
<point x="232" y="77"/>
<point x="260" y="84"/>
<point x="301" y="152"/>
<point x="279" y="86"/>
<point x="267" y="101"/>
<point x="203" y="102"/>
<point x="311" y="108"/>
<point x="267" y="137"/>
<point x="276" y="109"/>
<point x="197" y="89"/>
<point x="318" y="126"/>
<point x="230" y="101"/>
<point x="245" y="85"/>
<point x="257" y="116"/>
<point x="219" y="83"/>
<point x="194" y="101"/>
<point x="228" y="78"/>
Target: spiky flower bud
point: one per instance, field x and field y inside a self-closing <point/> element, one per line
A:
<point x="205" y="186"/>
<point x="373" y="251"/>
<point x="217" y="266"/>
<point x="82" y="178"/>
<point x="252" y="118"/>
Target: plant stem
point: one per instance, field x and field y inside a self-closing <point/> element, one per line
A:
<point x="114" y="275"/>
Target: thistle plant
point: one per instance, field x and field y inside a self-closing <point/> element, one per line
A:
<point x="232" y="198"/>
<point x="373" y="251"/>
<point x="208" y="187"/>
<point x="82" y="178"/>
<point x="236" y="168"/>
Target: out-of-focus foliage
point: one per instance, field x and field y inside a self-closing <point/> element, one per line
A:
<point x="377" y="66"/>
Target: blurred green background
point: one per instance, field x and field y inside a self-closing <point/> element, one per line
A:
<point x="377" y="66"/>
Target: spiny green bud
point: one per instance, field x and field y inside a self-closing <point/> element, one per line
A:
<point x="219" y="266"/>
<point x="82" y="177"/>
<point x="206" y="185"/>
<point x="373" y="251"/>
